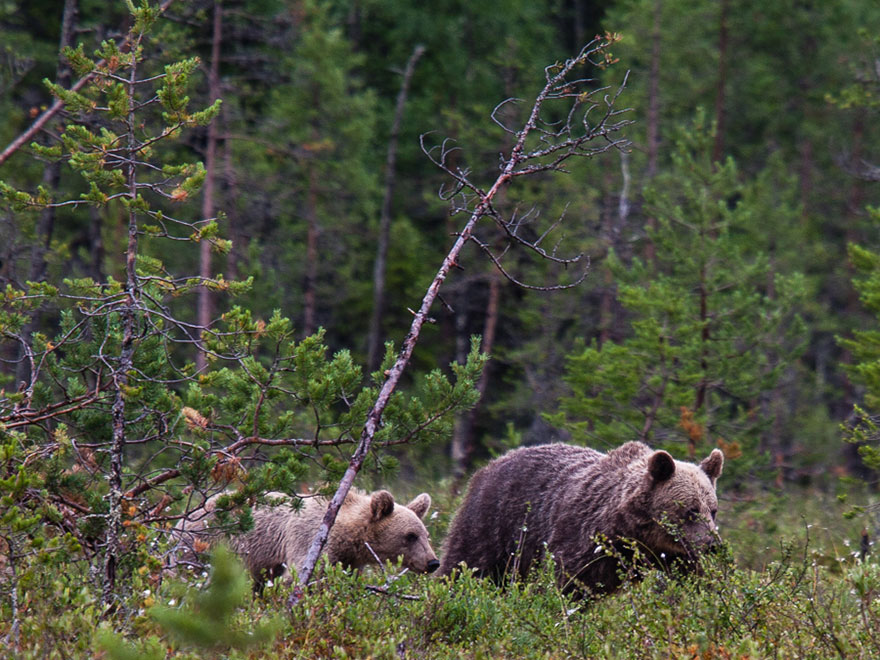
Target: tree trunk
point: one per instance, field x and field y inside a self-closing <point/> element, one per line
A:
<point x="205" y="301"/>
<point x="653" y="125"/>
<point x="51" y="179"/>
<point x="122" y="369"/>
<point x="483" y="207"/>
<point x="705" y="336"/>
<point x="311" y="280"/>
<point x="374" y="340"/>
<point x="463" y="438"/>
<point x="720" y="117"/>
<point x="236" y="254"/>
<point x="374" y="416"/>
<point x="96" y="246"/>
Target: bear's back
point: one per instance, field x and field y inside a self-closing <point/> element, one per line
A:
<point x="508" y="507"/>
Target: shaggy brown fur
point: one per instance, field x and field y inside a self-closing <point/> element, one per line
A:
<point x="564" y="496"/>
<point x="280" y="538"/>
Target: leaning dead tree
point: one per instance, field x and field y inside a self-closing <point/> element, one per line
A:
<point x="572" y="116"/>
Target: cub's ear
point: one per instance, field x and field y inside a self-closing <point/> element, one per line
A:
<point x="420" y="505"/>
<point x="381" y="504"/>
<point x="661" y="466"/>
<point x="712" y="464"/>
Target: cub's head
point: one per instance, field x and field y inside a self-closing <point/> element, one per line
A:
<point x="681" y="502"/>
<point x="396" y="531"/>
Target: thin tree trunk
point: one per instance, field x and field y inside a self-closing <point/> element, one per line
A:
<point x="720" y="115"/>
<point x="463" y="438"/>
<point x="205" y="301"/>
<point x="855" y="204"/>
<point x="855" y="208"/>
<point x="309" y="295"/>
<point x="806" y="177"/>
<point x="96" y="246"/>
<point x="120" y="373"/>
<point x="613" y="223"/>
<point x="653" y="126"/>
<point x="51" y="179"/>
<point x="703" y="384"/>
<point x="374" y="416"/>
<point x="462" y="344"/>
<point x="230" y="183"/>
<point x="13" y="637"/>
<point x="653" y="117"/>
<point x="606" y="302"/>
<point x="374" y="340"/>
<point x="52" y="172"/>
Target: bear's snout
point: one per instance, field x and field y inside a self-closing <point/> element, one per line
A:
<point x="433" y="565"/>
<point x="705" y="540"/>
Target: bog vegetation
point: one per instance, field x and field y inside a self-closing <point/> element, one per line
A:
<point x="217" y="220"/>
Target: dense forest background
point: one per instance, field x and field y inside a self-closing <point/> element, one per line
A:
<point x="235" y="320"/>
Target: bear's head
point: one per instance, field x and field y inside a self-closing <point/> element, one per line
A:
<point x="396" y="531"/>
<point x="679" y="504"/>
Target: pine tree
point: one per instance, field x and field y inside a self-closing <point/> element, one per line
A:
<point x="115" y="422"/>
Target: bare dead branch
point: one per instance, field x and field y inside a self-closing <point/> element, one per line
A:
<point x="556" y="287"/>
<point x="481" y="208"/>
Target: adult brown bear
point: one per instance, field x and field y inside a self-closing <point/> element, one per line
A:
<point x="588" y="509"/>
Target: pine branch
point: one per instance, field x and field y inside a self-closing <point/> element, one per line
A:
<point x="58" y="105"/>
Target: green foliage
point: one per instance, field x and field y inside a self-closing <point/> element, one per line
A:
<point x="113" y="424"/>
<point x="865" y="348"/>
<point x="805" y="597"/>
<point x="209" y="620"/>
<point x="320" y="175"/>
<point x="308" y="96"/>
<point x="712" y="325"/>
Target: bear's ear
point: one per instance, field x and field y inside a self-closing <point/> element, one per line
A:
<point x="661" y="466"/>
<point x="381" y="504"/>
<point x="420" y="505"/>
<point x="712" y="464"/>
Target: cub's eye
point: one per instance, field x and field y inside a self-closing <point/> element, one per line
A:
<point x="412" y="538"/>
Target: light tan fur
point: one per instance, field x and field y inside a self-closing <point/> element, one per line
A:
<point x="280" y="538"/>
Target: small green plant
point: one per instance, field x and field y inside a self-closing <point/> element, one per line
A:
<point x="208" y="621"/>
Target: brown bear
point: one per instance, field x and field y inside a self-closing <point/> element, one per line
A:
<point x="588" y="509"/>
<point x="367" y="527"/>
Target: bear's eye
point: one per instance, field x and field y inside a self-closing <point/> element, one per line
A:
<point x="693" y="514"/>
<point x="714" y="512"/>
<point x="412" y="538"/>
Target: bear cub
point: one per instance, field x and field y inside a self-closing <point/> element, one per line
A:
<point x="571" y="500"/>
<point x="280" y="538"/>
